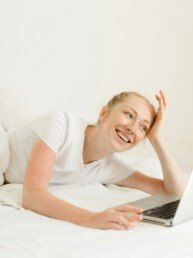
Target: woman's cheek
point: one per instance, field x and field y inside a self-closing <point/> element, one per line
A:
<point x="124" y="120"/>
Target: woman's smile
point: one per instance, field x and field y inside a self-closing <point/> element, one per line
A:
<point x="121" y="138"/>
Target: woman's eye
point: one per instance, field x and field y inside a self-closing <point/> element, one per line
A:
<point x="144" y="128"/>
<point x="130" y="115"/>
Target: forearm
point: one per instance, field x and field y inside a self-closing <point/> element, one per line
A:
<point x="175" y="179"/>
<point x="48" y="205"/>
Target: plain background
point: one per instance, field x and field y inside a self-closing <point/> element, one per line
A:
<point x="78" y="54"/>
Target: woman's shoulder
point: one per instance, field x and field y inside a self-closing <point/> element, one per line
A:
<point x="68" y="114"/>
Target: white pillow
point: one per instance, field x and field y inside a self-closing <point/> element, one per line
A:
<point x="149" y="166"/>
<point x="13" y="111"/>
<point x="4" y="152"/>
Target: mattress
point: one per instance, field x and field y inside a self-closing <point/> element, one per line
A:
<point x="27" y="234"/>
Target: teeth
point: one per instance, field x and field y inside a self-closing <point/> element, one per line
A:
<point x="123" y="137"/>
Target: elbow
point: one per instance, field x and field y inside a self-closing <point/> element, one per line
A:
<point x="25" y="200"/>
<point x="32" y="197"/>
<point x="179" y="189"/>
<point x="177" y="193"/>
<point x="29" y="199"/>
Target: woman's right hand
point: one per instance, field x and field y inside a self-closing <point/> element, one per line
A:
<point x="121" y="218"/>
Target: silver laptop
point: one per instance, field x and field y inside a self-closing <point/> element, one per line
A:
<point x="168" y="210"/>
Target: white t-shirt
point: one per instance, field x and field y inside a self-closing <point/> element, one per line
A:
<point x="64" y="133"/>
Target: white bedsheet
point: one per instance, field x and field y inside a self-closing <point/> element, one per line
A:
<point x="26" y="234"/>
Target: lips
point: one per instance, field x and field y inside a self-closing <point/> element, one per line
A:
<point x="122" y="136"/>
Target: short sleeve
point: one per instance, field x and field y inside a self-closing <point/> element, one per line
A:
<point x="116" y="170"/>
<point x="51" y="128"/>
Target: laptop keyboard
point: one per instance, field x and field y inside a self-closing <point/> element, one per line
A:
<point x="165" y="211"/>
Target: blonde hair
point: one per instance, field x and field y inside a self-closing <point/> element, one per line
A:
<point x="123" y="95"/>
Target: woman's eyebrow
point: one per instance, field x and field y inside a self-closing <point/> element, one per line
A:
<point x="137" y="114"/>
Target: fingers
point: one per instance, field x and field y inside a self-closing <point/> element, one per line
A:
<point x="121" y="221"/>
<point x="162" y="99"/>
<point x="120" y="227"/>
<point x="133" y="216"/>
<point x="162" y="107"/>
<point x="116" y="226"/>
<point x="123" y="217"/>
<point x="126" y="215"/>
<point x="113" y="219"/>
<point x="130" y="212"/>
<point x="128" y="208"/>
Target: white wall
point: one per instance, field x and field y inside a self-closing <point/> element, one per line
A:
<point x="148" y="47"/>
<point x="52" y="50"/>
<point x="78" y="54"/>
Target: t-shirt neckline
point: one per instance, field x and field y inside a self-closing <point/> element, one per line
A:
<point x="83" y="165"/>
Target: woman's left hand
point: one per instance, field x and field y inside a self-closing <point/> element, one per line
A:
<point x="154" y="132"/>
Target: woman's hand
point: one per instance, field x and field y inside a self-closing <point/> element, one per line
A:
<point x="154" y="132"/>
<point x="121" y="218"/>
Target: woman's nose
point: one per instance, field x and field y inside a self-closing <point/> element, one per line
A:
<point x="131" y="128"/>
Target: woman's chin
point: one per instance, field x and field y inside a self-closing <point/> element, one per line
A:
<point x="117" y="147"/>
<point x="121" y="147"/>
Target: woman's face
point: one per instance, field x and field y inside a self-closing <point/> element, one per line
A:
<point x="125" y="124"/>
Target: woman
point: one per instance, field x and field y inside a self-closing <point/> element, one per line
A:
<point x="61" y="148"/>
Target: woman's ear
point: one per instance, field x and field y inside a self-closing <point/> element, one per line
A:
<point x="103" y="113"/>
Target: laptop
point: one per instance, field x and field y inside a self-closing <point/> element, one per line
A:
<point x="168" y="210"/>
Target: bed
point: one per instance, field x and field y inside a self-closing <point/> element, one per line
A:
<point x="27" y="234"/>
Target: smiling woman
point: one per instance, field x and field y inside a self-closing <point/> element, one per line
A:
<point x="60" y="147"/>
<point x="128" y="116"/>
<point x="125" y="95"/>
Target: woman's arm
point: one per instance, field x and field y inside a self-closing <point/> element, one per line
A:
<point x="35" y="195"/>
<point x="174" y="179"/>
<point x="37" y="198"/>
